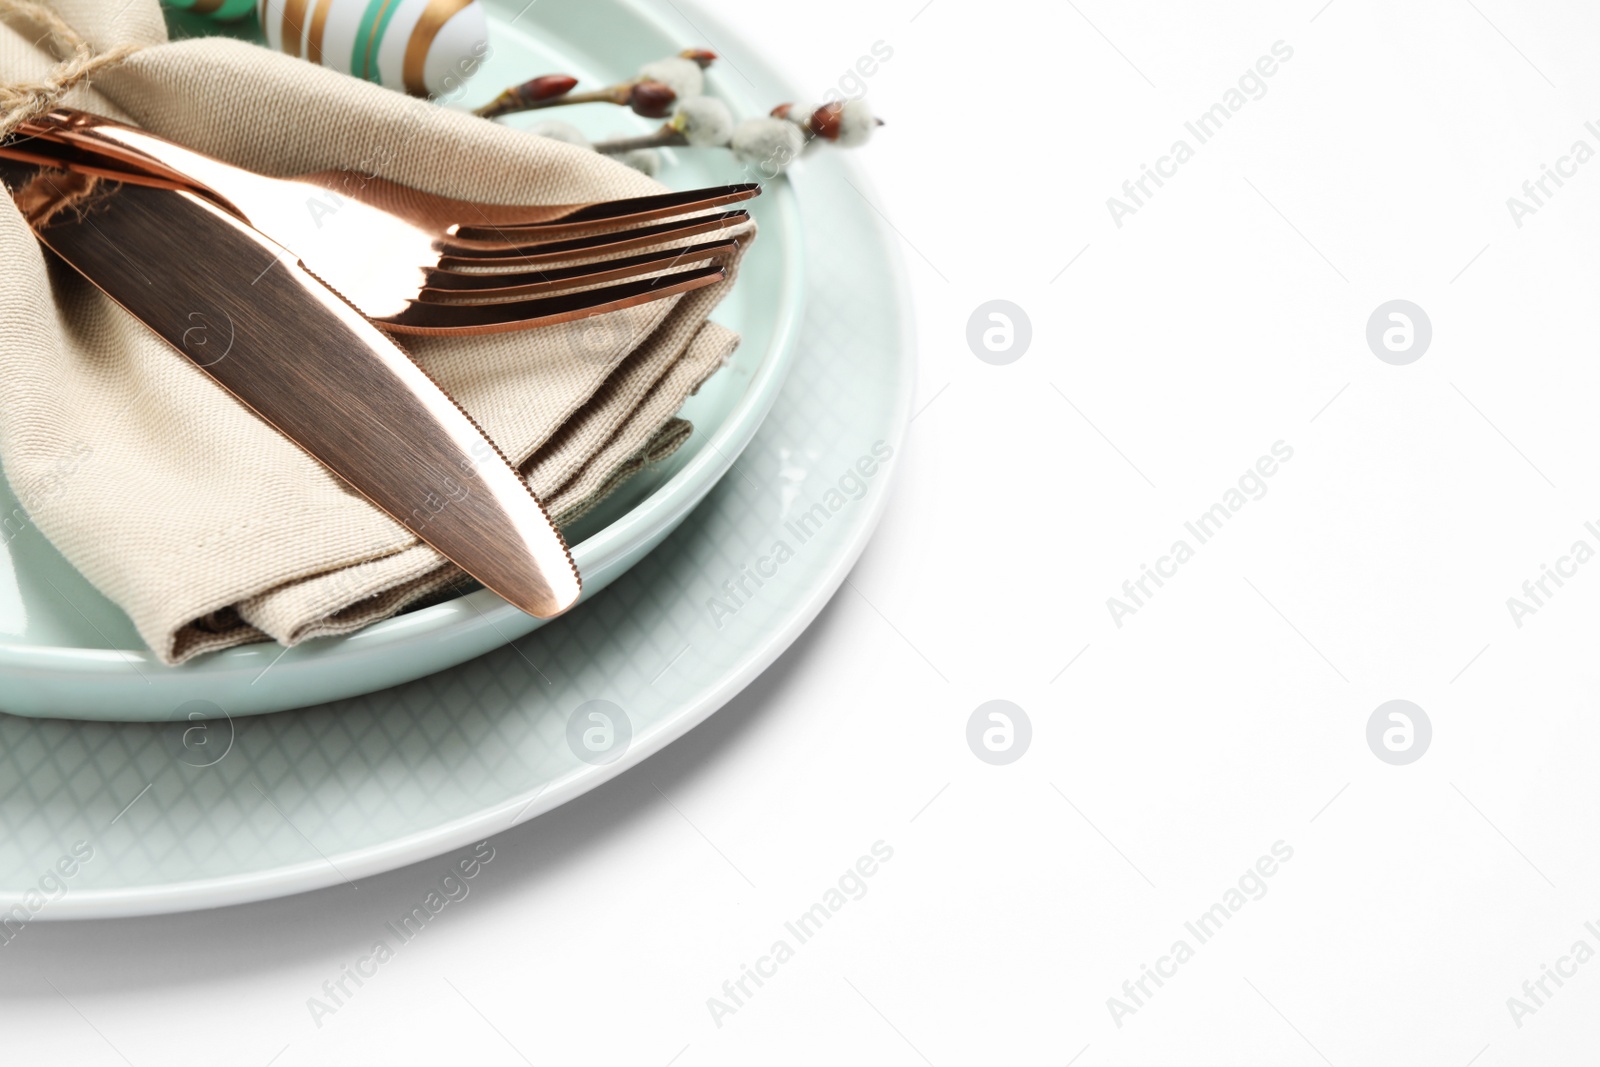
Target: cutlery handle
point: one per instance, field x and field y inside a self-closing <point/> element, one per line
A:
<point x="58" y="156"/>
<point x="127" y="153"/>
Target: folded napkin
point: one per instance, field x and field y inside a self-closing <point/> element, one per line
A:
<point x="205" y="525"/>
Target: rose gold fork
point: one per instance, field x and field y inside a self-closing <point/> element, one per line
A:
<point x="415" y="262"/>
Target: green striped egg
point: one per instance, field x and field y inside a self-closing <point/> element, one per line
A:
<point x="222" y="10"/>
<point x="423" y="47"/>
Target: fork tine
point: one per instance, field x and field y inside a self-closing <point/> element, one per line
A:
<point x="496" y="225"/>
<point x="428" y="318"/>
<point x="596" y="244"/>
<point x="453" y="287"/>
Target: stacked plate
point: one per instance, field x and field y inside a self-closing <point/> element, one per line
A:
<point x="699" y="573"/>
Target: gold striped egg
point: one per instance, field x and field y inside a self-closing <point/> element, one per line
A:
<point x="424" y="47"/>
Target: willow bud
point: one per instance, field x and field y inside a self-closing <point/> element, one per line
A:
<point x="651" y="99"/>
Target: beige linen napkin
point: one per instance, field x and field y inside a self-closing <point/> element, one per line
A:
<point x="200" y="521"/>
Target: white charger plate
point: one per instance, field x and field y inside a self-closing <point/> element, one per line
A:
<point x="68" y="652"/>
<point x="179" y="817"/>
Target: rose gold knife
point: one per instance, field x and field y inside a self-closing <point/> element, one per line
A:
<point x="310" y="365"/>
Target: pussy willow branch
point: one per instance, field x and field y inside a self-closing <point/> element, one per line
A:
<point x="662" y="138"/>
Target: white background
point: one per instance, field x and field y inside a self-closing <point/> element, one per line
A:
<point x="1167" y="755"/>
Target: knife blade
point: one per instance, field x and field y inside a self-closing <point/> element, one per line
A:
<point x="311" y="366"/>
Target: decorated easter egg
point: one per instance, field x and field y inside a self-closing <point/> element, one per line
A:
<point x="225" y="10"/>
<point x="423" y="47"/>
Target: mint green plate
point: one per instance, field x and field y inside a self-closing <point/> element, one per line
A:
<point x="68" y="652"/>
<point x="179" y="816"/>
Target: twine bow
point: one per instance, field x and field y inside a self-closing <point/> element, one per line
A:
<point x="27" y="100"/>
